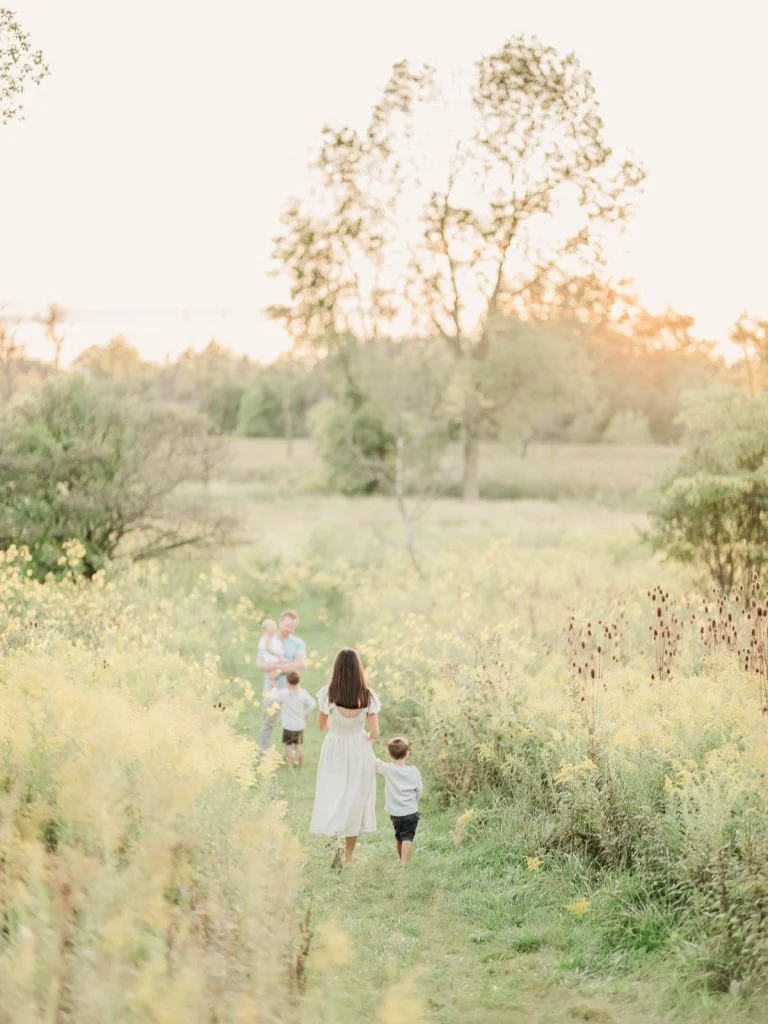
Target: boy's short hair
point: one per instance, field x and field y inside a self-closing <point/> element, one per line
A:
<point x="289" y="613"/>
<point x="293" y="678"/>
<point x="398" y="747"/>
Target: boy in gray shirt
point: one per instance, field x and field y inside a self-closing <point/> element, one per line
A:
<point x="402" y="789"/>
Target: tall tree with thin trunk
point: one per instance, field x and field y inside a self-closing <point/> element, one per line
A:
<point x="54" y="320"/>
<point x="411" y="401"/>
<point x="436" y="215"/>
<point x="751" y="336"/>
<point x="287" y="398"/>
<point x="10" y="353"/>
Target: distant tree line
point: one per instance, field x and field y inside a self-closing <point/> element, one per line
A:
<point x="237" y="394"/>
<point x="588" y="364"/>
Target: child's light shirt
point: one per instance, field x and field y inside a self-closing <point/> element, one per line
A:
<point x="402" y="787"/>
<point x="271" y="649"/>
<point x="295" y="705"/>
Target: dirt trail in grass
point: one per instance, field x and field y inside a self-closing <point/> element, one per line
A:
<point x="444" y="941"/>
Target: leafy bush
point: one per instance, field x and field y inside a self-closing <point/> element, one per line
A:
<point x="354" y="444"/>
<point x="712" y="511"/>
<point x="83" y="461"/>
<point x="395" y="410"/>
<point x="222" y="405"/>
<point x="280" y="392"/>
<point x="261" y="411"/>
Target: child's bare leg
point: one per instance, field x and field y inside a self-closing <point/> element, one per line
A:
<point x="300" y="756"/>
<point x="399" y="846"/>
<point x="405" y="851"/>
<point x="350" y="842"/>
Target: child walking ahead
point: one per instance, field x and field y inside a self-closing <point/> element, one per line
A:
<point x="402" y="789"/>
<point x="295" y="705"/>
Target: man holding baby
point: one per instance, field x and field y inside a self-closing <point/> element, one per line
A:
<point x="280" y="651"/>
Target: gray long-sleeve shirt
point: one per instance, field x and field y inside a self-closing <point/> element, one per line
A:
<point x="402" y="787"/>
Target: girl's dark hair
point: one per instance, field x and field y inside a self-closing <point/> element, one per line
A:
<point x="348" y="688"/>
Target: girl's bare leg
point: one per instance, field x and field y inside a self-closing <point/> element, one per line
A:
<point x="405" y="851"/>
<point x="350" y="846"/>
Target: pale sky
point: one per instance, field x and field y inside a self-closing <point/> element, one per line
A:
<point x="144" y="188"/>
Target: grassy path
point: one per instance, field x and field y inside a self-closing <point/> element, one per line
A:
<point x="460" y="936"/>
<point x="466" y="934"/>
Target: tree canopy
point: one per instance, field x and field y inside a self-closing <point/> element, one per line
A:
<point x="20" y="65"/>
<point x="407" y="232"/>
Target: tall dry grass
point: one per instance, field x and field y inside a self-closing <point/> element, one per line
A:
<point x="575" y="691"/>
<point x="145" y="869"/>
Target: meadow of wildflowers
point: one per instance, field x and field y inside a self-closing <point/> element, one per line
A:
<point x="588" y="720"/>
<point x="585" y="701"/>
<point x="137" y="841"/>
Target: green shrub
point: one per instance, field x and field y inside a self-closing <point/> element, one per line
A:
<point x="222" y="405"/>
<point x="279" y="401"/>
<point x="354" y="445"/>
<point x="83" y="461"/>
<point x="261" y="411"/>
<point x="712" y="511"/>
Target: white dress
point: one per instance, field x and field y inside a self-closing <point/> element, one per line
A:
<point x="345" y="793"/>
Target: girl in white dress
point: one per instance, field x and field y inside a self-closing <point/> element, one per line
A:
<point x="345" y="793"/>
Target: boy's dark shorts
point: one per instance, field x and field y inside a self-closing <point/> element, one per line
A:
<point x="405" y="827"/>
<point x="292" y="737"/>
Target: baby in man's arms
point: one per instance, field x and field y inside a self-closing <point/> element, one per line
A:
<point x="270" y="647"/>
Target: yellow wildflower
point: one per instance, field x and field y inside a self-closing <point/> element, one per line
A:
<point x="461" y="827"/>
<point x="579" y="908"/>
